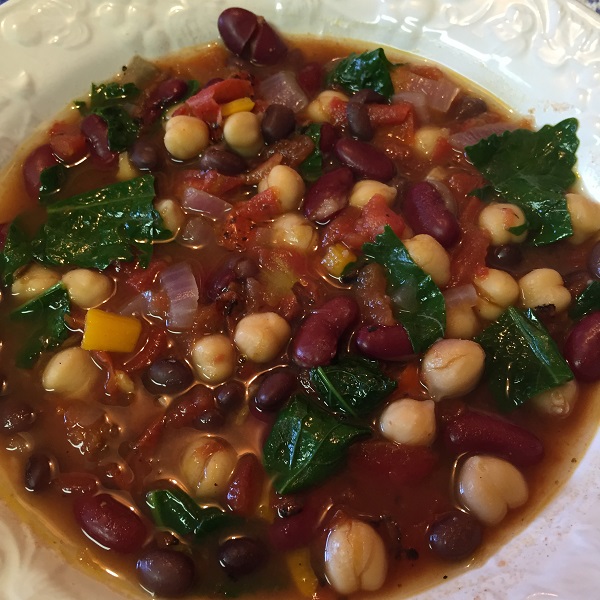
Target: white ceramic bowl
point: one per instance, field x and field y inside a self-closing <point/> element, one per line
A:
<point x="541" y="57"/>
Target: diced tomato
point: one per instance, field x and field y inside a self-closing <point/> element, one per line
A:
<point x="468" y="258"/>
<point x="141" y="279"/>
<point x="189" y="407"/>
<point x="337" y="112"/>
<point x="341" y="227"/>
<point x="389" y="114"/>
<point x="442" y="151"/>
<point x="67" y="142"/>
<point x="208" y="181"/>
<point x="463" y="183"/>
<point x="156" y="343"/>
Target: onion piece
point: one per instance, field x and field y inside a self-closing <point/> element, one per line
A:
<point x="139" y="305"/>
<point x="282" y="88"/>
<point x="181" y="288"/>
<point x="440" y="93"/>
<point x="461" y="295"/>
<point x="196" y="233"/>
<point x="471" y="136"/>
<point x="418" y="101"/>
<point x="199" y="201"/>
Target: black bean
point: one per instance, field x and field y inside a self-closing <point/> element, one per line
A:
<point x="274" y="389"/>
<point x="222" y="161"/>
<point x="455" y="535"/>
<point x="241" y="556"/>
<point x="38" y="472"/>
<point x="359" y="122"/>
<point x="16" y="416"/>
<point x="144" y="155"/>
<point x="167" y="376"/>
<point x="165" y="572"/>
<point x="593" y="262"/>
<point x="467" y="107"/>
<point x="210" y="419"/>
<point x="230" y="396"/>
<point x="278" y="122"/>
<point x="507" y="257"/>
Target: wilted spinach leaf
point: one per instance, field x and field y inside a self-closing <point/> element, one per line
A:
<point x="122" y="129"/>
<point x="17" y="252"/>
<point x="112" y="94"/>
<point x="51" y="180"/>
<point x="311" y="168"/>
<point x="587" y="302"/>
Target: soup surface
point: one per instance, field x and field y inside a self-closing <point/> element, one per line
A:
<point x="294" y="318"/>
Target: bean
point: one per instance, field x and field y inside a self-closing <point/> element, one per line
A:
<point x="38" y="472"/>
<point x="359" y="122"/>
<point x="582" y="348"/>
<point x="329" y="137"/>
<point x="245" y="486"/>
<point x="230" y="396"/>
<point x="367" y="95"/>
<point x="455" y="535"/>
<point x="479" y="432"/>
<point x="165" y="94"/>
<point x="189" y="407"/>
<point x="593" y="261"/>
<point x="210" y="419"/>
<point x="364" y="159"/>
<point x="310" y="78"/>
<point x="507" y="257"/>
<point x="16" y="416"/>
<point x="110" y="523"/>
<point x="316" y="341"/>
<point x="426" y="212"/>
<point x="222" y="161"/>
<point x="143" y="154"/>
<point x="165" y="572"/>
<point x="328" y="195"/>
<point x="384" y="342"/>
<point x="95" y="130"/>
<point x="274" y="389"/>
<point x="467" y="107"/>
<point x="278" y="122"/>
<point x="267" y="48"/>
<point x="41" y="158"/>
<point x="241" y="556"/>
<point x="167" y="376"/>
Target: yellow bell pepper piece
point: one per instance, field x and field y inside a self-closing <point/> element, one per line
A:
<point x="110" y="332"/>
<point x="337" y="258"/>
<point x="303" y="576"/>
<point x="239" y="105"/>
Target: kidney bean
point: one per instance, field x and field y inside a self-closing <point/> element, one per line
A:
<point x="593" y="261"/>
<point x="230" y="396"/>
<point x="328" y="195"/>
<point x="110" y="523"/>
<point x="95" y="130"/>
<point x="316" y="341"/>
<point x="467" y="107"/>
<point x="245" y="486"/>
<point x="507" y="257"/>
<point x="455" y="535"/>
<point x="278" y="122"/>
<point x="41" y="158"/>
<point x="267" y="48"/>
<point x="38" y="472"/>
<point x="165" y="572"/>
<point x="364" y="159"/>
<point x="582" y="348"/>
<point x="359" y="122"/>
<point x="241" y="556"/>
<point x="426" y="212"/>
<point x="222" y="161"/>
<point x="16" y="416"/>
<point x="167" y="376"/>
<point x="384" y="342"/>
<point x="472" y="431"/>
<point x="310" y="78"/>
<point x="274" y="389"/>
<point x="329" y="137"/>
<point x="143" y="154"/>
<point x="165" y="94"/>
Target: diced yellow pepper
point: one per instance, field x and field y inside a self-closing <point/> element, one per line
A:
<point x="337" y="258"/>
<point x="110" y="332"/>
<point x="303" y="576"/>
<point x="235" y="106"/>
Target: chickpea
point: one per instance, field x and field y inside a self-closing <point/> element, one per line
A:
<point x="409" y="421"/>
<point x="33" y="282"/>
<point x="364" y="190"/>
<point x="292" y="229"/>
<point x="489" y="486"/>
<point x="186" y="137"/>
<point x="207" y="465"/>
<point x="498" y="218"/>
<point x="126" y="170"/>
<point x="71" y="373"/>
<point x="585" y="217"/>
<point x="288" y="185"/>
<point x="426" y="139"/>
<point x="262" y="336"/>
<point x="355" y="557"/>
<point x="430" y="255"/>
<point x="171" y="213"/>
<point x="213" y="358"/>
<point x="242" y="133"/>
<point x="452" y="367"/>
<point x="87" y="288"/>
<point x="319" y="110"/>
<point x="556" y="402"/>
<point x="461" y="321"/>
<point x="544" y="287"/>
<point x="497" y="290"/>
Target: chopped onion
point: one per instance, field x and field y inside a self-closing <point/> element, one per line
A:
<point x="471" y="136"/>
<point x="138" y="305"/>
<point x="440" y="93"/>
<point x="461" y="295"/>
<point x="282" y="88"/>
<point x="194" y="200"/>
<point x="196" y="233"/>
<point x="181" y="288"/>
<point x="418" y="100"/>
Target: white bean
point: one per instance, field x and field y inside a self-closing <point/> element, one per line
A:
<point x="544" y="287"/>
<point x="408" y="421"/>
<point x="319" y="110"/>
<point x="498" y="218"/>
<point x="497" y="290"/>
<point x="186" y="137"/>
<point x="288" y="185"/>
<point x="585" y="217"/>
<point x="71" y="373"/>
<point x="262" y="336"/>
<point x="452" y="367"/>
<point x="213" y="358"/>
<point x="292" y="229"/>
<point x="33" y="282"/>
<point x="355" y="557"/>
<point x="87" y="288"/>
<point x="171" y="213"/>
<point x="242" y="133"/>
<point x="364" y="190"/>
<point x="126" y="170"/>
<point x="556" y="402"/>
<point x="430" y="255"/>
<point x="488" y="487"/>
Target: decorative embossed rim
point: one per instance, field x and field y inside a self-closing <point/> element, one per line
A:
<point x="541" y="57"/>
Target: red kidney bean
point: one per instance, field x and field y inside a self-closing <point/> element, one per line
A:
<point x="144" y="155"/>
<point x="582" y="348"/>
<point x="16" y="416"/>
<point x="593" y="261"/>
<point x="230" y="396"/>
<point x="110" y="523"/>
<point x="38" y="472"/>
<point x="95" y="130"/>
<point x="222" y="161"/>
<point x="359" y="122"/>
<point x="41" y="158"/>
<point x="426" y="212"/>
<point x="165" y="94"/>
<point x="364" y="159"/>
<point x="310" y="78"/>
<point x="455" y="535"/>
<point x="467" y="107"/>
<point x="384" y="342"/>
<point x="278" y="122"/>
<point x="274" y="389"/>
<point x="329" y="136"/>
<point x="472" y="431"/>
<point x="165" y="572"/>
<point x="328" y="195"/>
<point x="245" y="487"/>
<point x="316" y="341"/>
<point x="267" y="48"/>
<point x="241" y="556"/>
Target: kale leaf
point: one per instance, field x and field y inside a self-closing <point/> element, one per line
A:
<point x="353" y="385"/>
<point x="112" y="94"/>
<point x="521" y="358"/>
<point x="51" y="180"/>
<point x="418" y="303"/>
<point x="311" y="168"/>
<point x="122" y="129"/>
<point x="587" y="302"/>
<point x="306" y="445"/>
<point x="533" y="169"/>
<point x="16" y="253"/>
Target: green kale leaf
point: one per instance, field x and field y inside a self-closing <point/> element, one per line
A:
<point x="17" y="253"/>
<point x="112" y="94"/>
<point x="311" y="168"/>
<point x="51" y="180"/>
<point x="587" y="302"/>
<point x="122" y="129"/>
<point x="533" y="169"/>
